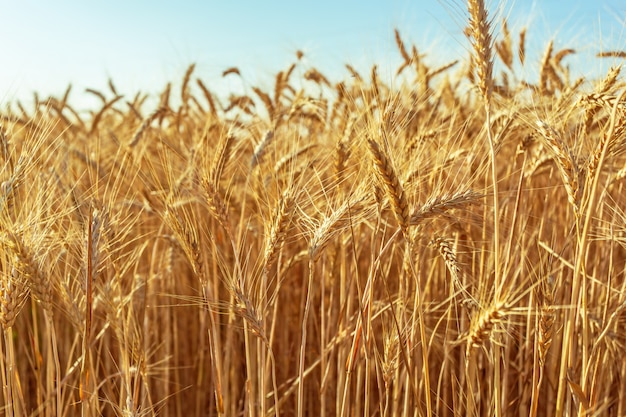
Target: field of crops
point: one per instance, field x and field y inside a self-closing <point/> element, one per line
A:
<point x="449" y="244"/>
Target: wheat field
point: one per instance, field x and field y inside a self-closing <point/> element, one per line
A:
<point x="451" y="245"/>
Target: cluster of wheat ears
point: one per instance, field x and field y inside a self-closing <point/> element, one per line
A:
<point x="453" y="246"/>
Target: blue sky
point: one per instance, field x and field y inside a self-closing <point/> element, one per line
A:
<point x="143" y="44"/>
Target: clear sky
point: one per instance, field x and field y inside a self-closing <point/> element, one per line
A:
<point x="142" y="44"/>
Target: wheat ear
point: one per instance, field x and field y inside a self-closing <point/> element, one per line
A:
<point x="545" y="68"/>
<point x="483" y="324"/>
<point x="521" y="48"/>
<point x="13" y="296"/>
<point x="546" y="318"/>
<point x="260" y="148"/>
<point x="504" y="48"/>
<point x="278" y="229"/>
<point x="566" y="164"/>
<point x="221" y="158"/>
<point x="332" y="224"/>
<point x="26" y="265"/>
<point x="440" y="205"/>
<point x="144" y="126"/>
<point x="217" y="205"/>
<point x="611" y="54"/>
<point x="208" y="96"/>
<point x="480" y="37"/>
<point x="184" y="89"/>
<point x="391" y="183"/>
